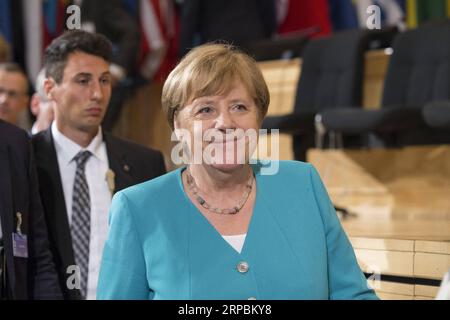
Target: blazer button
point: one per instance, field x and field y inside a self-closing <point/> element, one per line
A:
<point x="242" y="267"/>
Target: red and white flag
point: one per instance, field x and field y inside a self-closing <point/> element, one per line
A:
<point x="159" y="29"/>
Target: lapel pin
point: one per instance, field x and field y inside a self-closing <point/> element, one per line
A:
<point x="109" y="177"/>
<point x="19" y="223"/>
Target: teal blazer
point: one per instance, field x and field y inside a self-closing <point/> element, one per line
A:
<point x="161" y="247"/>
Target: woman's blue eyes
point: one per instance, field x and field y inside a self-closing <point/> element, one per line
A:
<point x="205" y="110"/>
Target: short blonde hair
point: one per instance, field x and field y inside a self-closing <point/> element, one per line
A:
<point x="212" y="69"/>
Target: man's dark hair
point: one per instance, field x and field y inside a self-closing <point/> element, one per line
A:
<point x="57" y="53"/>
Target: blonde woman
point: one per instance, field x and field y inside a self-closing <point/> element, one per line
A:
<point x="222" y="229"/>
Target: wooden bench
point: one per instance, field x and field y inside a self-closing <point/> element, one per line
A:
<point x="400" y="199"/>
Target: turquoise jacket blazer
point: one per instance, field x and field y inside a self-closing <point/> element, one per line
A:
<point x="161" y="247"/>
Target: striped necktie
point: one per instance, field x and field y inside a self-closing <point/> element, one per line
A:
<point x="81" y="219"/>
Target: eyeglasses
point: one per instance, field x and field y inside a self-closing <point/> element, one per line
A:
<point x="11" y="93"/>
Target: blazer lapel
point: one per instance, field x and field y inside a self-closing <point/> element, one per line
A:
<point x="6" y="211"/>
<point x="57" y="212"/>
<point x="118" y="164"/>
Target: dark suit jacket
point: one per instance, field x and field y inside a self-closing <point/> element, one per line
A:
<point x="236" y="21"/>
<point x="33" y="277"/>
<point x="131" y="164"/>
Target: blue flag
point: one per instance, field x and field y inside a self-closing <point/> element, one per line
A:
<point x="50" y="9"/>
<point x="131" y="6"/>
<point x="5" y="20"/>
<point x="343" y="14"/>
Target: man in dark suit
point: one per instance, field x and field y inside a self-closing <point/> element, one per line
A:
<point x="27" y="269"/>
<point x="79" y="166"/>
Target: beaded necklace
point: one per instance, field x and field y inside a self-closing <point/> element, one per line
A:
<point x="194" y="189"/>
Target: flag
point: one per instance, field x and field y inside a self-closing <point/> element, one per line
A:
<point x="343" y="15"/>
<point x="419" y="11"/>
<point x="311" y="16"/>
<point x="5" y="20"/>
<point x="33" y="37"/>
<point x="132" y="7"/>
<point x="158" y="25"/>
<point x="43" y="21"/>
<point x="17" y="27"/>
<point x="54" y="14"/>
<point x="281" y="9"/>
<point x="392" y="13"/>
<point x="402" y="4"/>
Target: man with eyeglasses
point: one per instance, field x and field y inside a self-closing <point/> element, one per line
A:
<point x="14" y="95"/>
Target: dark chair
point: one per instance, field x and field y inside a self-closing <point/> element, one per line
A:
<point x="275" y="49"/>
<point x="418" y="73"/>
<point x="381" y="38"/>
<point x="437" y="115"/>
<point x="436" y="22"/>
<point x="331" y="77"/>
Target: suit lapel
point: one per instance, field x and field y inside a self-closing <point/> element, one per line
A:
<point x="57" y="215"/>
<point x="6" y="211"/>
<point x="118" y="163"/>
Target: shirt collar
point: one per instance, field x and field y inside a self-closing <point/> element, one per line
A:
<point x="68" y="149"/>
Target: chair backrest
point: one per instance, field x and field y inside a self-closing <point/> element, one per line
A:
<point x="381" y="38"/>
<point x="274" y="49"/>
<point x="419" y="70"/>
<point x="332" y="72"/>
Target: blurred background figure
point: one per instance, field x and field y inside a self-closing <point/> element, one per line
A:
<point x="14" y="95"/>
<point x="27" y="270"/>
<point x="113" y="21"/>
<point x="235" y="21"/>
<point x="40" y="106"/>
<point x="4" y="50"/>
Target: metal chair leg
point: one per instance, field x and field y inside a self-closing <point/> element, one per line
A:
<point x="320" y="131"/>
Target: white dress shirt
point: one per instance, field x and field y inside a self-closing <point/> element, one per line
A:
<point x="96" y="167"/>
<point x="34" y="129"/>
<point x="236" y="241"/>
